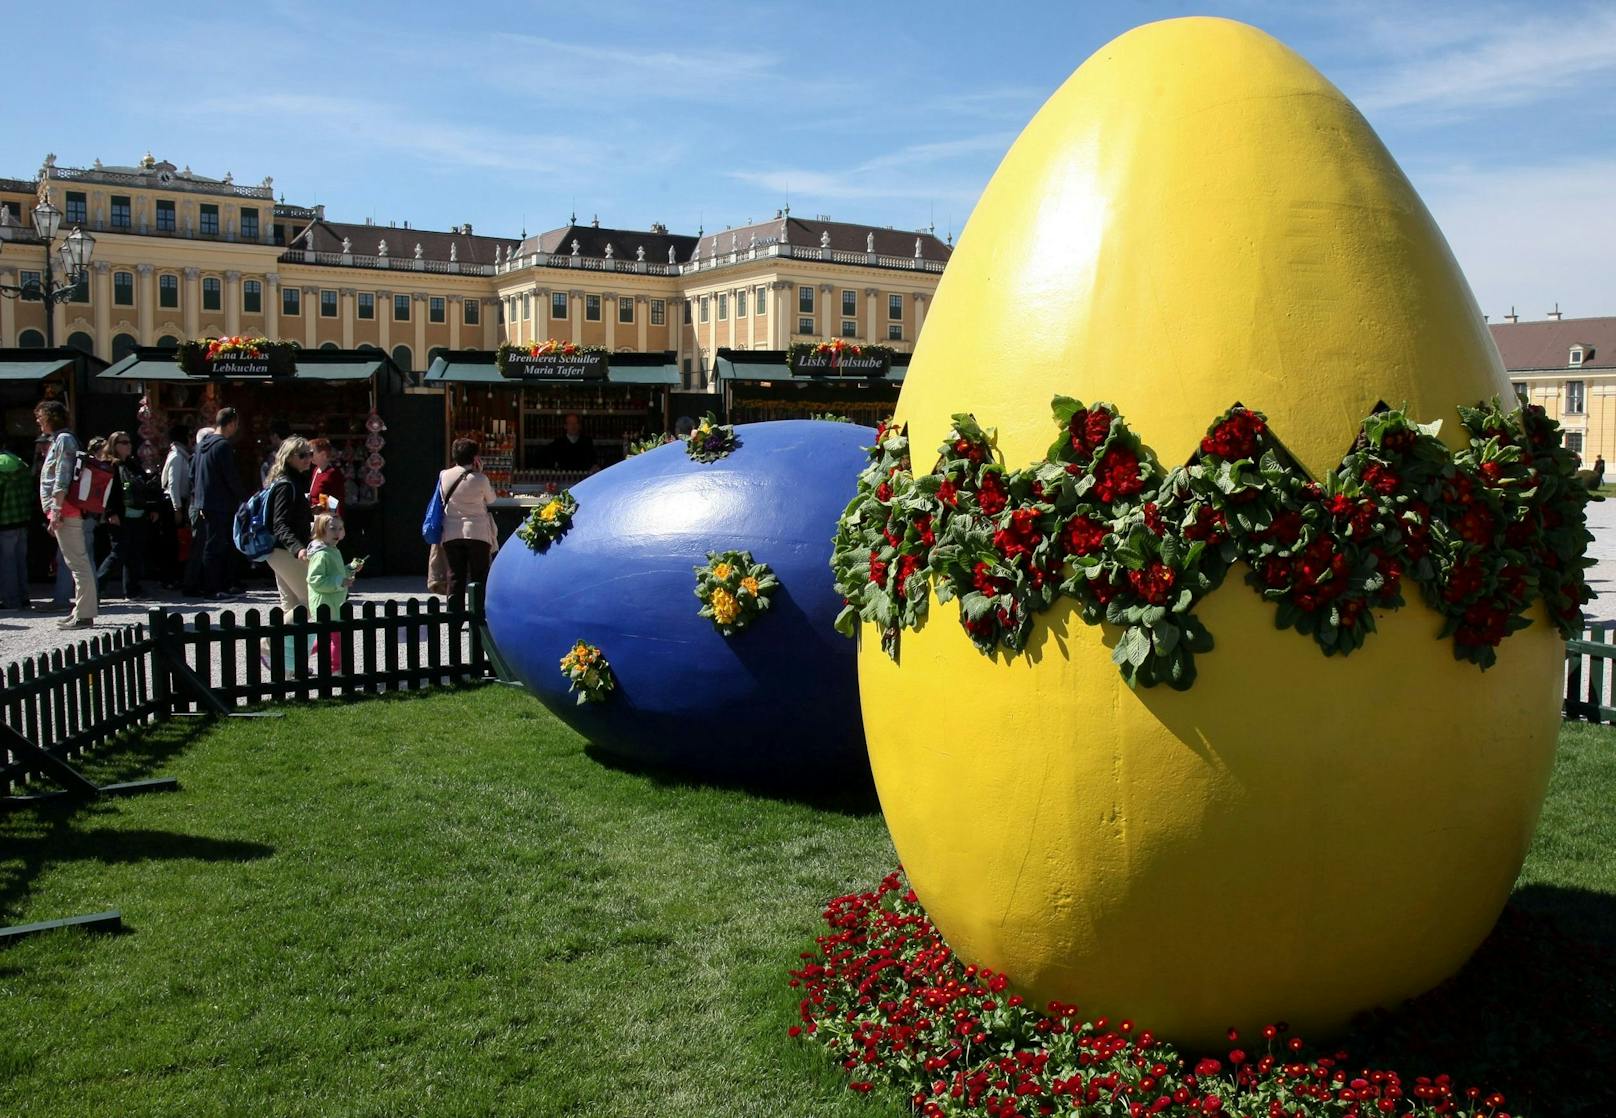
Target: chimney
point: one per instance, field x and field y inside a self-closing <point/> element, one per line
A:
<point x="1512" y="317"/>
<point x="1555" y="313"/>
<point x="466" y="229"/>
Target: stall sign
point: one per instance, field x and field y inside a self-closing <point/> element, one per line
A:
<point x="555" y="366"/>
<point x="861" y="366"/>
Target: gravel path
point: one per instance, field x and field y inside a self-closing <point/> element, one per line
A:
<point x="29" y="633"/>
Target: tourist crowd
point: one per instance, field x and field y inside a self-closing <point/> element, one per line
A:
<point x="116" y="525"/>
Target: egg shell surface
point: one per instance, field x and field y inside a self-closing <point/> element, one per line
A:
<point x="776" y="704"/>
<point x="1198" y="218"/>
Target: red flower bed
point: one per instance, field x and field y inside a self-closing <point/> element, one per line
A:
<point x="886" y="996"/>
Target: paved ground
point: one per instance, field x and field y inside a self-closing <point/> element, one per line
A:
<point x="29" y="633"/>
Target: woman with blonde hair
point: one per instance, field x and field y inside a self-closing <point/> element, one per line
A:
<point x="290" y="520"/>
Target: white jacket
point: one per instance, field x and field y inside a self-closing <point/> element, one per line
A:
<point x="177" y="476"/>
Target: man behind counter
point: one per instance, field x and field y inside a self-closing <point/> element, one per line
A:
<point x="573" y="450"/>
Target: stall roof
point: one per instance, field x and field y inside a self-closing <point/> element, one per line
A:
<point x="320" y="364"/>
<point x="476" y="366"/>
<point x="33" y="370"/>
<point x="39" y="363"/>
<point x="771" y="364"/>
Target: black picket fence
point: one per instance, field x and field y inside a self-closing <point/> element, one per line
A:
<point x="1589" y="682"/>
<point x="60" y="704"/>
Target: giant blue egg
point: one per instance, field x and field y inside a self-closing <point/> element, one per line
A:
<point x="776" y="704"/>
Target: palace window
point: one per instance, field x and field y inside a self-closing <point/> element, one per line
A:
<point x="687" y="312"/>
<point x="80" y="292"/>
<point x="469" y="315"/>
<point x="328" y="304"/>
<point x="436" y="309"/>
<point x="78" y="208"/>
<point x="168" y="291"/>
<point x="1573" y="397"/>
<point x="625" y="309"/>
<point x="704" y="309"/>
<point x="805" y="302"/>
<point x="723" y="306"/>
<point x="249" y="223"/>
<point x="592" y="308"/>
<point x="659" y="312"/>
<point x="895" y="307"/>
<point x="30" y="282"/>
<point x="1520" y="389"/>
<point x="210" y="220"/>
<point x="558" y="304"/>
<point x="120" y="211"/>
<point x="805" y="326"/>
<point x="849" y="303"/>
<point x="740" y="303"/>
<point x="212" y="294"/>
<point x="165" y="216"/>
<point x="401" y="308"/>
<point x="849" y="328"/>
<point x="1574" y="358"/>
<point x="123" y="289"/>
<point x="527" y="305"/>
<point x="367" y="304"/>
<point x="1573" y="442"/>
<point x="894" y="333"/>
<point x="291" y="301"/>
<point x="761" y="303"/>
<point x="252" y="297"/>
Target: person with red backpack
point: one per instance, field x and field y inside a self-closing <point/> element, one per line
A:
<point x="63" y="502"/>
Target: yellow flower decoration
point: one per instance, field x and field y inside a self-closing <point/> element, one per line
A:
<point x="722" y="571"/>
<point x="551" y="510"/>
<point x="750" y="585"/>
<point x="725" y="607"/>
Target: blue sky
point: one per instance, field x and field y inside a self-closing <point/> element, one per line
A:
<point x="511" y="115"/>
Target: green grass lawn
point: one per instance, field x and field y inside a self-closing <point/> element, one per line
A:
<point x="446" y="906"/>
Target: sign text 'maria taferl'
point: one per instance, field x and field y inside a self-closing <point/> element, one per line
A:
<point x="869" y="364"/>
<point x="555" y="366"/>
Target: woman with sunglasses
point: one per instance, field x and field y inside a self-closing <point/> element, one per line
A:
<point x="290" y="520"/>
<point x="128" y="517"/>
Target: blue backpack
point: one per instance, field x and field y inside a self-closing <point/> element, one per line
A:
<point x="251" y="528"/>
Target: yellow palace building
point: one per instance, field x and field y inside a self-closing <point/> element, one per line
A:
<point x="181" y="255"/>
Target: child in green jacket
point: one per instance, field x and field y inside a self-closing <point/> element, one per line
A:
<point x="329" y="577"/>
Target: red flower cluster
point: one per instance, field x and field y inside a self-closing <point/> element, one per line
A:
<point x="1087" y="430"/>
<point x="1154" y="583"/>
<point x="1085" y="535"/>
<point x="1236" y="437"/>
<point x="1020" y="536"/>
<point x="888" y="999"/>
<point x="1117" y="475"/>
<point x="990" y="494"/>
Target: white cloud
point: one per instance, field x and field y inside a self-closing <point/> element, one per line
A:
<point x="916" y="172"/>
<point x="1450" y="67"/>
<point x="1529" y="237"/>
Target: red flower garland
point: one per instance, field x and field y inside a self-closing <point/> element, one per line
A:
<point x="1483" y="533"/>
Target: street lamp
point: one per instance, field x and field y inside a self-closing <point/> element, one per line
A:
<point x="76" y="249"/>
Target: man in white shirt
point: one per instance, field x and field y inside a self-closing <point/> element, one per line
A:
<point x="176" y="479"/>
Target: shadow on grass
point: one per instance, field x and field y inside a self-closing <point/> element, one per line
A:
<point x="53" y="831"/>
<point x="853" y="797"/>
<point x="1532" y="1015"/>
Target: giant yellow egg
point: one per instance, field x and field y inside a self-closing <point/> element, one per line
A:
<point x="1195" y="218"/>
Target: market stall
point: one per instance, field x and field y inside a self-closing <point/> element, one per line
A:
<point x="32" y="374"/>
<point x="516" y="404"/>
<point x="333" y="394"/>
<point x="27" y="376"/>
<point x="764" y="384"/>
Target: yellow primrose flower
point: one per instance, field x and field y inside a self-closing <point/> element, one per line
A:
<point x="750" y="585"/>
<point x="550" y="511"/>
<point x="725" y="607"/>
<point x="722" y="571"/>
